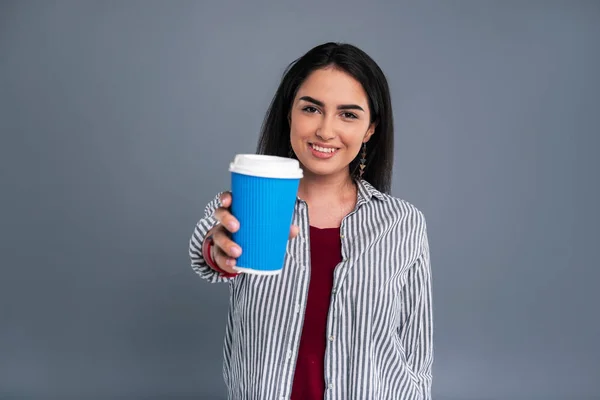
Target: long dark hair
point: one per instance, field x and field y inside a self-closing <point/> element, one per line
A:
<point x="275" y="132"/>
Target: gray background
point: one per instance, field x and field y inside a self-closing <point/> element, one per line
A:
<point x="119" y="118"/>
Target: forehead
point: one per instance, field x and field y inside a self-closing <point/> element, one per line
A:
<point x="333" y="86"/>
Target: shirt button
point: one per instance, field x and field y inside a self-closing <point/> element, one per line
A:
<point x="341" y="236"/>
<point x="330" y="386"/>
<point x="331" y="338"/>
<point x="333" y="291"/>
<point x="297" y="308"/>
<point x="289" y="354"/>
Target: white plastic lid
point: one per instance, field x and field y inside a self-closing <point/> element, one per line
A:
<point x="266" y="166"/>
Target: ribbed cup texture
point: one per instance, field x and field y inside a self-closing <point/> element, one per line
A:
<point x="264" y="207"/>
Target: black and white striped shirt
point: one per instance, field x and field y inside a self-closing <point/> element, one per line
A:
<point x="379" y="326"/>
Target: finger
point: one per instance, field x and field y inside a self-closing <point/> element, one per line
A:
<point x="226" y="200"/>
<point x="225" y="244"/>
<point x="227" y="220"/>
<point x="294" y="231"/>
<point x="223" y="261"/>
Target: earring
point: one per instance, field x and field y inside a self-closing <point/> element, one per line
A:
<point x="363" y="161"/>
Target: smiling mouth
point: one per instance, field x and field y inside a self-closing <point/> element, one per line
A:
<point x="326" y="150"/>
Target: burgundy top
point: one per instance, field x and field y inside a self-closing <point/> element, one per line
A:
<point x="325" y="254"/>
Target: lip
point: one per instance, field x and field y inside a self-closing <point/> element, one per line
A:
<point x="326" y="146"/>
<point x="321" y="155"/>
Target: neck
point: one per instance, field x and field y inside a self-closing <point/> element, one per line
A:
<point x="326" y="189"/>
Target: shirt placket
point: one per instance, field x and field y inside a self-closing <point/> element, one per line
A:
<point x="333" y="389"/>
<point x="300" y="298"/>
<point x="331" y="386"/>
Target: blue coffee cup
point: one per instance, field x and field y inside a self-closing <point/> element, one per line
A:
<point x="264" y="191"/>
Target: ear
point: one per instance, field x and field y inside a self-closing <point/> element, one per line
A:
<point x="370" y="132"/>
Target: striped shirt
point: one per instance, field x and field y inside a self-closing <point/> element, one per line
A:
<point x="379" y="326"/>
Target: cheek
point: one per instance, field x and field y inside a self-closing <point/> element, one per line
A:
<point x="353" y="136"/>
<point x="302" y="127"/>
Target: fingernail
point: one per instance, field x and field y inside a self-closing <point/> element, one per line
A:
<point x="231" y="262"/>
<point x="232" y="225"/>
<point x="235" y="251"/>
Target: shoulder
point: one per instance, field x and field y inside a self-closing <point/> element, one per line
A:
<point x="397" y="211"/>
<point x="401" y="206"/>
<point x="400" y="209"/>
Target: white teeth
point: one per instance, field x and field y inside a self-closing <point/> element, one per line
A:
<point x="323" y="149"/>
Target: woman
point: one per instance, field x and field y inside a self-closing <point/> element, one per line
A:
<point x="350" y="315"/>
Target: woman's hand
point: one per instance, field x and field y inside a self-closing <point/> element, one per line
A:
<point x="225" y="251"/>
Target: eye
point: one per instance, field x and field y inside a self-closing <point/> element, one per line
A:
<point x="349" y="115"/>
<point x="310" y="109"/>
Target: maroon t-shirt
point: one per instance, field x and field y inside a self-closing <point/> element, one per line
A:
<point x="325" y="254"/>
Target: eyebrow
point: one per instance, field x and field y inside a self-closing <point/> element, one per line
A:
<point x="340" y="107"/>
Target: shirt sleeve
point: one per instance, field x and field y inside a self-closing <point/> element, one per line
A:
<point x="205" y="224"/>
<point x="416" y="332"/>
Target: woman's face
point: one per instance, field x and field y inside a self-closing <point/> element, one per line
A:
<point x="329" y="122"/>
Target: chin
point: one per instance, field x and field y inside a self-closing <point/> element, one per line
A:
<point x="322" y="170"/>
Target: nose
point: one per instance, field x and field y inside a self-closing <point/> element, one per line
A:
<point x="326" y="130"/>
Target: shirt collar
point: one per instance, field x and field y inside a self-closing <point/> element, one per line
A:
<point x="366" y="192"/>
